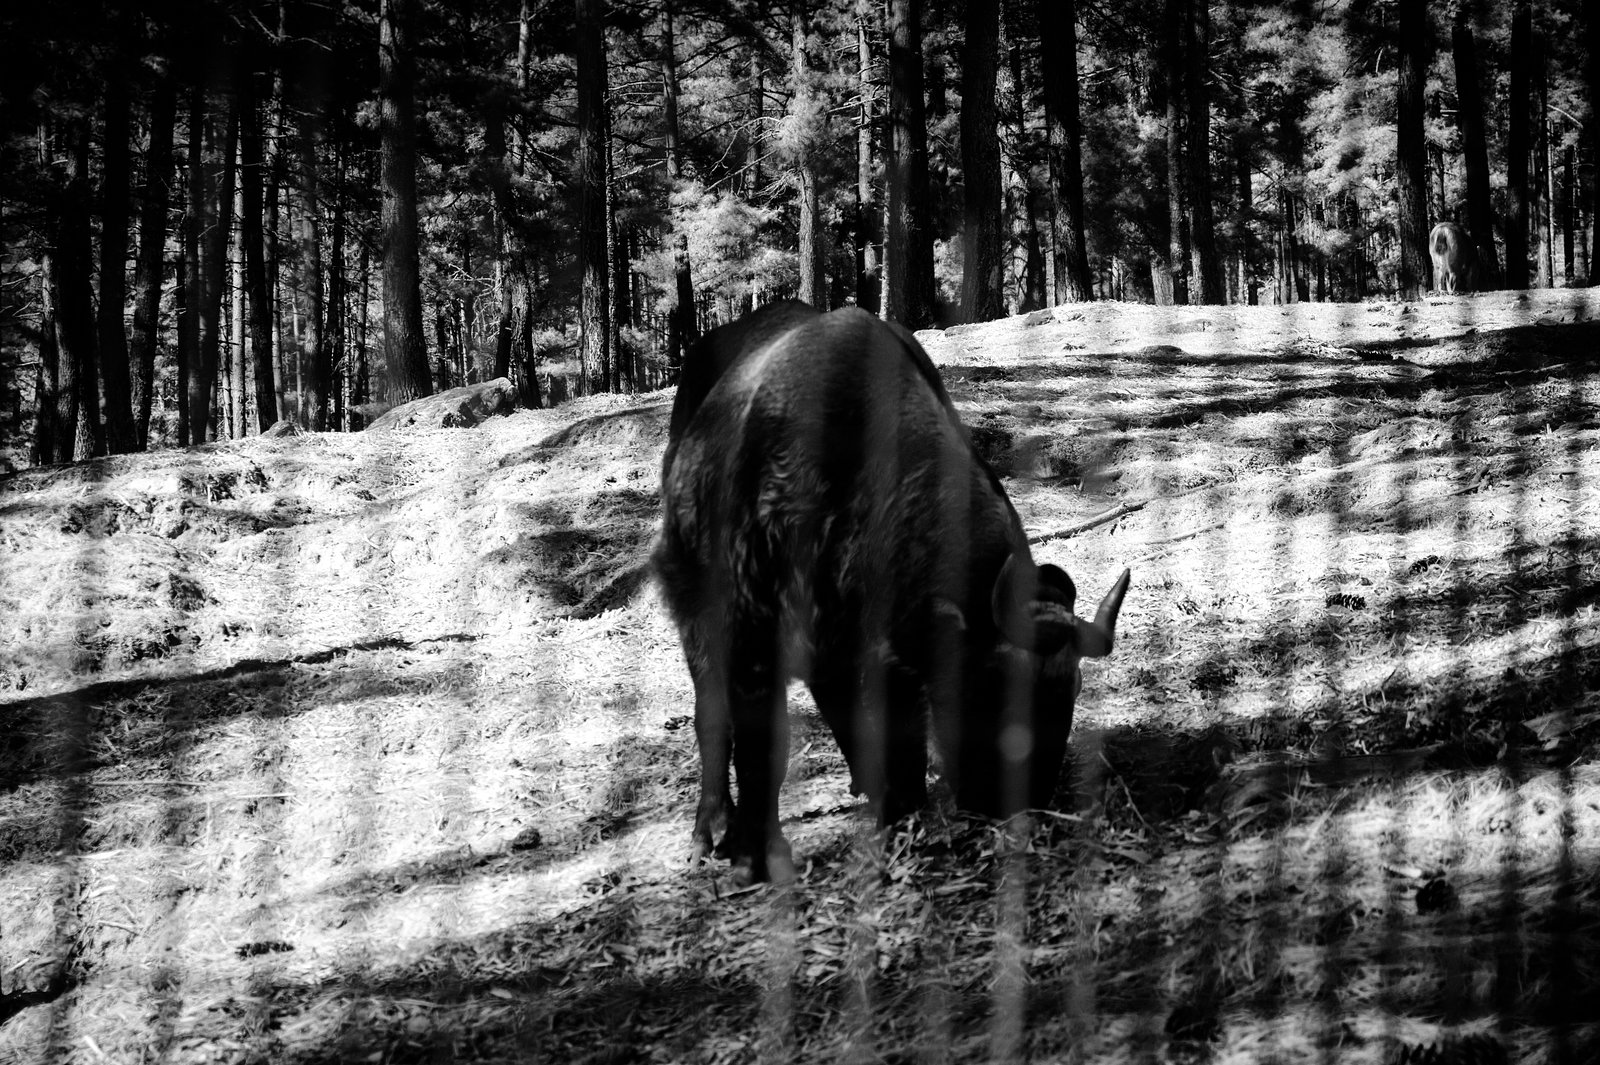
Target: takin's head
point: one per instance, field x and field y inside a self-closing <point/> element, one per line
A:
<point x="1019" y="681"/>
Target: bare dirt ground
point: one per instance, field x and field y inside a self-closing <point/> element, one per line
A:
<point x="375" y="747"/>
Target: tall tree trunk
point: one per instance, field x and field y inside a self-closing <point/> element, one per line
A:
<point x="151" y="267"/>
<point x="1177" y="257"/>
<point x="1569" y="174"/>
<point x="218" y="184"/>
<point x="869" y="273"/>
<point x="754" y="138"/>
<point x="681" y="326"/>
<point x="807" y="116"/>
<point x="237" y="345"/>
<point x="908" y="242"/>
<point x="1543" y="189"/>
<point x="82" y="432"/>
<point x="252" y="225"/>
<point x="272" y="243"/>
<point x="361" y="381"/>
<point x="594" y="322"/>
<point x="312" y="346"/>
<point x="1410" y="168"/>
<point x="524" y="62"/>
<point x="404" y="350"/>
<point x="121" y="435"/>
<point x="1207" y="284"/>
<point x="755" y="120"/>
<point x="1591" y="35"/>
<point x="1474" y="147"/>
<point x="1023" y="207"/>
<point x="498" y="169"/>
<point x="531" y="398"/>
<point x="52" y="434"/>
<point x="189" y="287"/>
<point x="982" y="288"/>
<point x="1243" y="174"/>
<point x="1517" y="106"/>
<point x="1058" y="39"/>
<point x="331" y="367"/>
<point x="624" y="364"/>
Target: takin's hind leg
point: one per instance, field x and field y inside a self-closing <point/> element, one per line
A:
<point x="760" y="760"/>
<point x="713" y="730"/>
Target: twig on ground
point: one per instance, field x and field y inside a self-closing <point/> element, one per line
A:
<point x="1083" y="526"/>
<point x="1164" y="544"/>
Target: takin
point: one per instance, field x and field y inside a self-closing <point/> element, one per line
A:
<point x="1455" y="259"/>
<point x="825" y="518"/>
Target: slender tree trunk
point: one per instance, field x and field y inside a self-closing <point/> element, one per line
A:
<point x="1590" y="252"/>
<point x="121" y="435"/>
<point x="1058" y="39"/>
<point x="754" y="138"/>
<point x="272" y="243"/>
<point x="908" y="242"/>
<point x="151" y="268"/>
<point x="1242" y="181"/>
<point x="218" y="189"/>
<point x="52" y="436"/>
<point x="253" y="223"/>
<point x="681" y="326"/>
<point x="404" y="349"/>
<point x="982" y="287"/>
<point x="532" y="396"/>
<point x="361" y="384"/>
<point x="524" y="62"/>
<point x="1177" y="157"/>
<point x="1569" y="173"/>
<point x="1027" y="253"/>
<point x="869" y="274"/>
<point x="498" y="169"/>
<point x="1207" y="284"/>
<point x="331" y="367"/>
<point x="1475" y="153"/>
<point x="755" y="122"/>
<point x="813" y="279"/>
<point x="83" y="433"/>
<point x="1543" y="172"/>
<point x="237" y="346"/>
<point x="594" y="323"/>
<point x="1411" y="178"/>
<point x="624" y="363"/>
<point x="194" y="223"/>
<point x="312" y="347"/>
<point x="1516" y="272"/>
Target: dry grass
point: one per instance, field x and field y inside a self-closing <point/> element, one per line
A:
<point x="373" y="748"/>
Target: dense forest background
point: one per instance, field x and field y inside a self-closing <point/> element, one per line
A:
<point x="216" y="215"/>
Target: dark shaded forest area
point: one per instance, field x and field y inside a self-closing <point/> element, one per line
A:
<point x="221" y="214"/>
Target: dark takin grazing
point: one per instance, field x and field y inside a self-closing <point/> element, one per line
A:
<point x="1455" y="258"/>
<point x="825" y="518"/>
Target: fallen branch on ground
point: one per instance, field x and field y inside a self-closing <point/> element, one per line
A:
<point x="1083" y="526"/>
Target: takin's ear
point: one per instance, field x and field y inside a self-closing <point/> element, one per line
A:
<point x="1032" y="605"/>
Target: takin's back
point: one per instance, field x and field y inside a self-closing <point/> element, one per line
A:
<point x="830" y="451"/>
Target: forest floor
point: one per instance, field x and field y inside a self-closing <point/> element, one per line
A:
<point x="377" y="747"/>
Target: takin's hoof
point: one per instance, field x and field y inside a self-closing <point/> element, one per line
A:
<point x="777" y="868"/>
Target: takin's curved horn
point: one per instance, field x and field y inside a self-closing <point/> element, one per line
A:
<point x="1096" y="637"/>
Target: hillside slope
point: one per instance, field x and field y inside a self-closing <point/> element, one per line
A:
<point x="374" y="746"/>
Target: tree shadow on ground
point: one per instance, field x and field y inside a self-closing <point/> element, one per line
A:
<point x="62" y="733"/>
